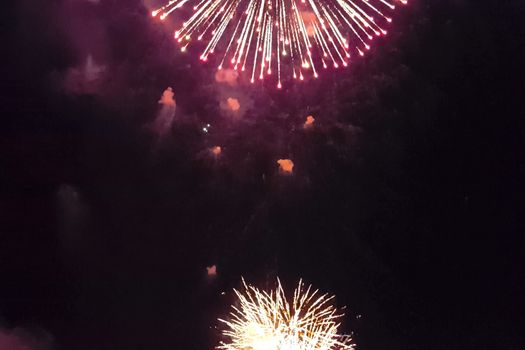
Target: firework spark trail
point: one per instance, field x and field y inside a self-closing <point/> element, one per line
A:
<point x="269" y="35"/>
<point x="269" y="321"/>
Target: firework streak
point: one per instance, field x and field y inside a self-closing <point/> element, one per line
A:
<point x="267" y="36"/>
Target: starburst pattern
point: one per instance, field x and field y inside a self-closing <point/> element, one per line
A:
<point x="260" y="36"/>
<point x="269" y="321"/>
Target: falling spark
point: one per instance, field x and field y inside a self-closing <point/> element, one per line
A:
<point x="260" y="36"/>
<point x="270" y="321"/>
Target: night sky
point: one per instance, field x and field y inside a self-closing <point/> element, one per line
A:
<point x="406" y="199"/>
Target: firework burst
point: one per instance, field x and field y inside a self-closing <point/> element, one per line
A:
<point x="294" y="36"/>
<point x="268" y="321"/>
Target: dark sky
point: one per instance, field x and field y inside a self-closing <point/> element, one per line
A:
<point x="406" y="200"/>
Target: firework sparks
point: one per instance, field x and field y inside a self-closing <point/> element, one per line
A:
<point x="260" y="36"/>
<point x="269" y="321"/>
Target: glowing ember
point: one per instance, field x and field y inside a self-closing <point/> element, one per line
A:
<point x="269" y="321"/>
<point x="216" y="151"/>
<point x="211" y="270"/>
<point x="227" y="76"/>
<point x="285" y="166"/>
<point x="260" y="35"/>
<point x="309" y="122"/>
<point x="167" y="98"/>
<point x="233" y="104"/>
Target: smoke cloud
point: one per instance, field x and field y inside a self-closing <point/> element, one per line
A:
<point x="21" y="339"/>
<point x="72" y="216"/>
<point x="162" y="124"/>
<point x="309" y="18"/>
<point x="227" y="76"/>
<point x="85" y="79"/>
